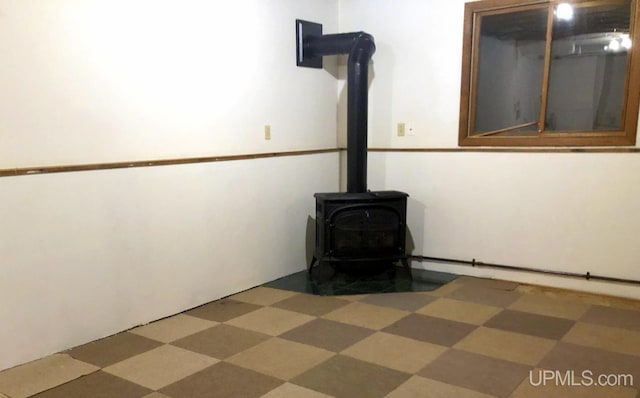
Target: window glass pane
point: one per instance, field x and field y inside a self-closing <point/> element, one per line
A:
<point x="510" y="69"/>
<point x="588" y="66"/>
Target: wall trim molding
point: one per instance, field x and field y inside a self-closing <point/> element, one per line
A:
<point x="514" y="150"/>
<point x="25" y="171"/>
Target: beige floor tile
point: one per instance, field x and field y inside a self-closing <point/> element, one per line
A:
<point x="34" y="377"/>
<point x="156" y="395"/>
<point x="584" y="297"/>
<point x="288" y="390"/>
<point x="558" y="306"/>
<point x="174" y="328"/>
<point x="421" y="387"/>
<point x="462" y="311"/>
<point x="262" y="295"/>
<point x="280" y="358"/>
<point x="366" y="315"/>
<point x="271" y="321"/>
<point x="160" y="367"/>
<point x="506" y="345"/>
<point x="395" y="352"/>
<point x="605" y="337"/>
<point x="353" y="297"/>
<point x="533" y="387"/>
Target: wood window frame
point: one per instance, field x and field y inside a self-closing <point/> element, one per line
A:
<point x="626" y="136"/>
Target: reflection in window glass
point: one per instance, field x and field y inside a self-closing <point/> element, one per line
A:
<point x="510" y="70"/>
<point x="588" y="68"/>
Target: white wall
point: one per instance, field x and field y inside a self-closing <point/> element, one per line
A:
<point x="562" y="211"/>
<point x="84" y="255"/>
<point x="87" y="81"/>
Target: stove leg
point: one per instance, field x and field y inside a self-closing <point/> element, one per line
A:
<point x="405" y="264"/>
<point x="313" y="261"/>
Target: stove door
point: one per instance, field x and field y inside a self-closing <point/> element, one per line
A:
<point x="366" y="232"/>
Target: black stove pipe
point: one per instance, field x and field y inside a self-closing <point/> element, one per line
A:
<point x="360" y="46"/>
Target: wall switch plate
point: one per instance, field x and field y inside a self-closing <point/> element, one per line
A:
<point x="267" y="132"/>
<point x="401" y="129"/>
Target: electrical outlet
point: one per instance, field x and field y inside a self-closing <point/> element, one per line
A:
<point x="401" y="129"/>
<point x="267" y="132"/>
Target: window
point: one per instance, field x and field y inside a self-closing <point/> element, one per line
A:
<point x="550" y="73"/>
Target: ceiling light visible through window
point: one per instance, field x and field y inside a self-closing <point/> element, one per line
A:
<point x="564" y="12"/>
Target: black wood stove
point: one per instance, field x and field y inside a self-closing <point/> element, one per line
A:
<point x="357" y="226"/>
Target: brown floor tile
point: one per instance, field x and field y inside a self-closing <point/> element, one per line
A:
<point x="222" y="380"/>
<point x="487" y="283"/>
<point x="533" y="324"/>
<point x="557" y="305"/>
<point x="344" y="377"/>
<point x="43" y="374"/>
<point x="461" y="311"/>
<point x="161" y="366"/>
<point x="421" y="387"/>
<point x="110" y="350"/>
<point x="510" y="346"/>
<point x="366" y="315"/>
<point x="401" y="301"/>
<point x="395" y="352"/>
<point x="173" y="328"/>
<point x="535" y="386"/>
<point x="96" y="385"/>
<point x="330" y="335"/>
<point x="483" y="295"/>
<point x="271" y="321"/>
<point x="155" y="395"/>
<point x="221" y="341"/>
<point x="615" y="317"/>
<point x="444" y="290"/>
<point x="262" y="295"/>
<point x="613" y="339"/>
<point x="222" y="310"/>
<point x="476" y="372"/>
<point x="280" y="358"/>
<point x="288" y="390"/>
<point x="566" y="356"/>
<point x="311" y="304"/>
<point x="432" y="330"/>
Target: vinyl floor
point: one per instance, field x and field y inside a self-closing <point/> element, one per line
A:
<point x="470" y="337"/>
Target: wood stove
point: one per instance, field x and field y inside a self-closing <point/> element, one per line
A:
<point x="358" y="225"/>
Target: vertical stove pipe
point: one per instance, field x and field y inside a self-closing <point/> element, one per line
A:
<point x="360" y="46"/>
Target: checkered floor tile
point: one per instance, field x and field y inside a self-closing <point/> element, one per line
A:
<point x="470" y="338"/>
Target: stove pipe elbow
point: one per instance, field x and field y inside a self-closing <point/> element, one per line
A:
<point x="360" y="46"/>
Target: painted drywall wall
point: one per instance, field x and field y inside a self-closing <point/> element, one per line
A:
<point x="556" y="211"/>
<point x="85" y="255"/>
<point x="575" y="212"/>
<point x="88" y="254"/>
<point x="102" y="81"/>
